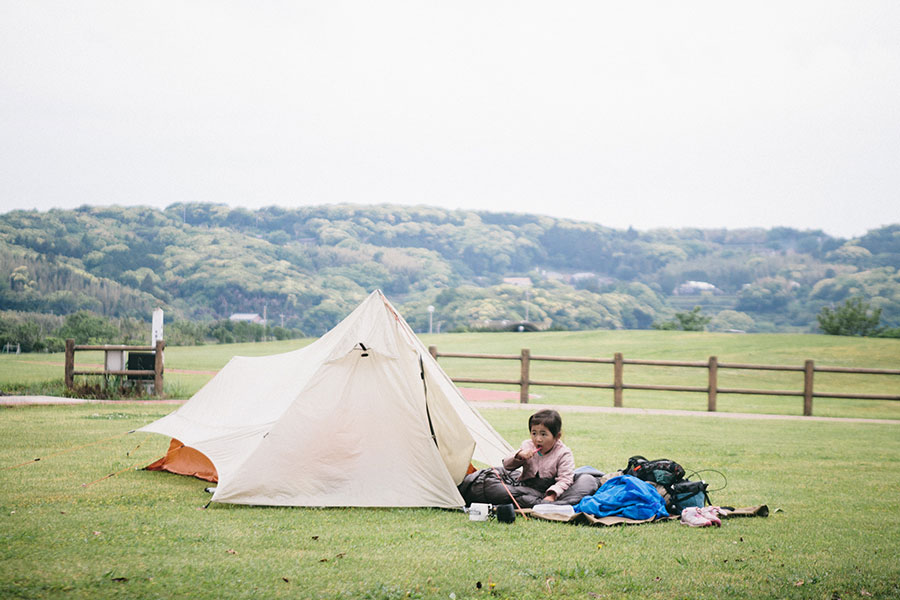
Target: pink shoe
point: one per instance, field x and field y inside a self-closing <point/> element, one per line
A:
<point x="692" y="517"/>
<point x="712" y="514"/>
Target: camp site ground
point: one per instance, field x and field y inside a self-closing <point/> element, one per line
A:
<point x="831" y="487"/>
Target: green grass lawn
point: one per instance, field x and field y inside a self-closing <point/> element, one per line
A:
<point x="144" y="534"/>
<point x="188" y="368"/>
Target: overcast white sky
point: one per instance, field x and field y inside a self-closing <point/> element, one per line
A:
<point x="644" y="114"/>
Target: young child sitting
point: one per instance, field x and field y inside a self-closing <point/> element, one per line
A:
<point x="547" y="464"/>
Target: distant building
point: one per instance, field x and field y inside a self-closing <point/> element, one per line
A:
<point x="248" y="317"/>
<point x="695" y="288"/>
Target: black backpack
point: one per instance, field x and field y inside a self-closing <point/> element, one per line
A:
<point x="662" y="471"/>
<point x="670" y="475"/>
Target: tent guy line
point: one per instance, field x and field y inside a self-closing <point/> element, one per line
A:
<point x="133" y="467"/>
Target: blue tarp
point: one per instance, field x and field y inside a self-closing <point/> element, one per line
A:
<point x="625" y="496"/>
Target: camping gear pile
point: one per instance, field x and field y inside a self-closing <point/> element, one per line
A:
<point x="646" y="490"/>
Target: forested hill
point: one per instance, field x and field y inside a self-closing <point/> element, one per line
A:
<point x="308" y="267"/>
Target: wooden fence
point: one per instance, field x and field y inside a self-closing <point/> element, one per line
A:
<point x="156" y="373"/>
<point x="712" y="389"/>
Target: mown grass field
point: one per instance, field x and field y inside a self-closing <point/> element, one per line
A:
<point x="188" y="368"/>
<point x="831" y="486"/>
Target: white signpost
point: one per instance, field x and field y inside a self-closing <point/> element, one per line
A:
<point x="156" y="328"/>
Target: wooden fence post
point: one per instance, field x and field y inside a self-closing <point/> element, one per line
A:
<point x="618" y="367"/>
<point x="432" y="350"/>
<point x="158" y="368"/>
<point x="524" y="379"/>
<point x="70" y="364"/>
<point x="713" y="383"/>
<point x="808" y="371"/>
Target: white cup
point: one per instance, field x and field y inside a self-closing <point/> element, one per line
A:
<point x="478" y="511"/>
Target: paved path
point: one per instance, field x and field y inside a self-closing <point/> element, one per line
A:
<point x="494" y="399"/>
<point x="510" y="400"/>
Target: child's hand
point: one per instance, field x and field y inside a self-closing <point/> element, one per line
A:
<point x="550" y="497"/>
<point x="525" y="454"/>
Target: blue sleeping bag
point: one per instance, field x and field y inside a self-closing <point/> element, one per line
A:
<point x="624" y="496"/>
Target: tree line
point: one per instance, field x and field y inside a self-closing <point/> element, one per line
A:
<point x="34" y="332"/>
<point x="308" y="267"/>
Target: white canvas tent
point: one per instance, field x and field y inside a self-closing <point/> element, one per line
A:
<point x="363" y="416"/>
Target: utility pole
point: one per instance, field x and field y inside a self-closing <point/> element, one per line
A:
<point x="527" y="301"/>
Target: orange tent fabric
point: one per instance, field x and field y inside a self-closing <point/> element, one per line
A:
<point x="183" y="460"/>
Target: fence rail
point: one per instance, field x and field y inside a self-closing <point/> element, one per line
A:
<point x="712" y="389"/>
<point x="156" y="372"/>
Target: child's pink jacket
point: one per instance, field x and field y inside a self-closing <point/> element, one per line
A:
<point x="558" y="463"/>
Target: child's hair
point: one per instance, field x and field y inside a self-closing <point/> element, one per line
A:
<point x="549" y="419"/>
